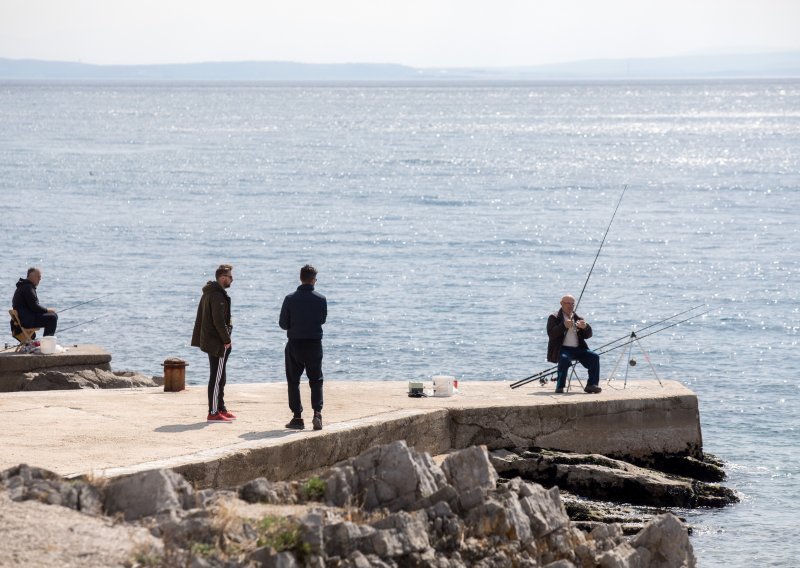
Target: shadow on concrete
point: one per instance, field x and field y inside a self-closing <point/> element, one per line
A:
<point x="172" y="428"/>
<point x="267" y="435"/>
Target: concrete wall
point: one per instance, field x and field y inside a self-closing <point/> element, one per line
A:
<point x="634" y="427"/>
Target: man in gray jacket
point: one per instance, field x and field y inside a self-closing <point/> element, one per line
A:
<point x="212" y="334"/>
<point x="302" y="314"/>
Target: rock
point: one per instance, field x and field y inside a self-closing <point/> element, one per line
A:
<point x="32" y="483"/>
<point x="400" y="534"/>
<point x="345" y="537"/>
<point x="470" y="468"/>
<point x="148" y="493"/>
<point x="393" y="476"/>
<point x="56" y="378"/>
<point x="667" y="543"/>
<point x="311" y="532"/>
<point x="266" y="557"/>
<point x="260" y="490"/>
<point x="599" y="477"/>
<point x="543" y="507"/>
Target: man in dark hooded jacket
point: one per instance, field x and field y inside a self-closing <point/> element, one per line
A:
<point x="212" y="334"/>
<point x="26" y="302"/>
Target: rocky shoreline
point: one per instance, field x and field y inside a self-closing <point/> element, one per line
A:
<point x="389" y="506"/>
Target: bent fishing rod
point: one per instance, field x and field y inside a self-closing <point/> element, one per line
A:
<point x="84" y="303"/>
<point x="550" y="371"/>
<point x="631" y="337"/>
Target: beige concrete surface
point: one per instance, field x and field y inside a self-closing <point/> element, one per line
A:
<point x="119" y="431"/>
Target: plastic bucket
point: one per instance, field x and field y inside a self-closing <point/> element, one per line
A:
<point x="443" y="385"/>
<point x="47" y="345"/>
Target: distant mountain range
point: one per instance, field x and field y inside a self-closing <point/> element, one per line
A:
<point x="745" y="65"/>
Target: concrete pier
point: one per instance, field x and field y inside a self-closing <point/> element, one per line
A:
<point x="13" y="366"/>
<point x="119" y="431"/>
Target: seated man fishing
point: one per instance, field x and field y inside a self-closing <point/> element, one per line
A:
<point x="26" y="302"/>
<point x="567" y="333"/>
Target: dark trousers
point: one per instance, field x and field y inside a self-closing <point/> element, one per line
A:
<point x="304" y="355"/>
<point x="48" y="321"/>
<point x="585" y="357"/>
<point x="216" y="382"/>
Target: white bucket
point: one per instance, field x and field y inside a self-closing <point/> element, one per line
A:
<point x="47" y="345"/>
<point x="443" y="385"/>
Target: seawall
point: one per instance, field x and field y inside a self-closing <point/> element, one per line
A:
<point x="120" y="431"/>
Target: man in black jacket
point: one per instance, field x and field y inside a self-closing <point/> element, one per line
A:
<point x="302" y="315"/>
<point x="26" y="302"/>
<point x="567" y="333"/>
<point x="212" y="334"/>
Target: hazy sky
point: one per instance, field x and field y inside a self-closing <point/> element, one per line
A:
<point x="421" y="33"/>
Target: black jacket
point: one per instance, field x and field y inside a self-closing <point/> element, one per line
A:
<point x="556" y="331"/>
<point x="26" y="302"/>
<point x="212" y="327"/>
<point x="303" y="313"/>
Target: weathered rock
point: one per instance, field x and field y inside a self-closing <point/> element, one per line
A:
<point x="543" y="507"/>
<point x="393" y="476"/>
<point x="148" y="493"/>
<point x="344" y="538"/>
<point x="266" y="557"/>
<point x="312" y="532"/>
<point x="89" y="378"/>
<point x="470" y="468"/>
<point x="599" y="477"/>
<point x="400" y="534"/>
<point x="24" y="483"/>
<point x="663" y="543"/>
<point x="260" y="490"/>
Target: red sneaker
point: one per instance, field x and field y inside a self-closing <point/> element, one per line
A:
<point x="228" y="415"/>
<point x="218" y="418"/>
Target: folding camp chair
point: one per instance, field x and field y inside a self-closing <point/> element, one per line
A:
<point x="22" y="334"/>
<point x="573" y="373"/>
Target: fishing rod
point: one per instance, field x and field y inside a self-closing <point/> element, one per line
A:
<point x="652" y="325"/>
<point x="84" y="303"/>
<point x="588" y="276"/>
<point x="550" y="371"/>
<point x="577" y="303"/>
<point x="60" y="331"/>
<point x="631" y="338"/>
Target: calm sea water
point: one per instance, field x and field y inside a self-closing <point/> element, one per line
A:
<point x="445" y="221"/>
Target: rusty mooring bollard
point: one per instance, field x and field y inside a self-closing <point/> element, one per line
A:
<point x="174" y="374"/>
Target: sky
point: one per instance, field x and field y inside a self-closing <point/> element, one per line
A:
<point x="419" y="33"/>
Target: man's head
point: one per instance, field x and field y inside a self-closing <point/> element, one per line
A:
<point x="568" y="304"/>
<point x="224" y="275"/>
<point x="34" y="275"/>
<point x="308" y="274"/>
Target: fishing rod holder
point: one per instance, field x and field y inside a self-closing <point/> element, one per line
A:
<point x="631" y="361"/>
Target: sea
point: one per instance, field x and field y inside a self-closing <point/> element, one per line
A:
<point x="445" y="220"/>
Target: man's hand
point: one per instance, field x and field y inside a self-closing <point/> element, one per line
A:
<point x="51" y="310"/>
<point x="568" y="324"/>
<point x="581" y="324"/>
<point x="227" y="345"/>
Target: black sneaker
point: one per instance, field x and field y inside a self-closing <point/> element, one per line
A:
<point x="592" y="389"/>
<point x="296" y="424"/>
<point x="317" y="422"/>
<point x="559" y="390"/>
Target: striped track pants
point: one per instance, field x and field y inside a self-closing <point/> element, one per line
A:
<point x="216" y="382"/>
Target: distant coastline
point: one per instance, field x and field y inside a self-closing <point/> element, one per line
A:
<point x="739" y="66"/>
